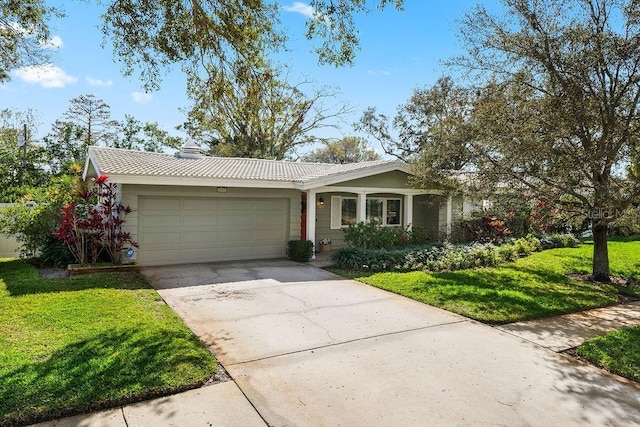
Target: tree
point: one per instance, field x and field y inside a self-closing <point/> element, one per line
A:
<point x="245" y="112"/>
<point x="432" y="130"/>
<point x="135" y="135"/>
<point x="86" y="122"/>
<point x="65" y="146"/>
<point x="219" y="32"/>
<point x="350" y="149"/>
<point x="19" y="169"/>
<point x="93" y="116"/>
<point x="558" y="116"/>
<point x="24" y="33"/>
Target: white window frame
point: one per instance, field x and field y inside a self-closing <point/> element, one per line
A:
<point x="336" y="211"/>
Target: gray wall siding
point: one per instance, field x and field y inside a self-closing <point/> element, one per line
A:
<point x="426" y="213"/>
<point x="395" y="179"/>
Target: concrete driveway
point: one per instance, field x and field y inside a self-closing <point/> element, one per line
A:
<point x="309" y="348"/>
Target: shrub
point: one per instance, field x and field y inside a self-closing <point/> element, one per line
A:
<point x="507" y="252"/>
<point x="559" y="241"/>
<point x="444" y="256"/>
<point x="300" y="250"/>
<point x="371" y="235"/>
<point x="37" y="214"/>
<point x="55" y="253"/>
<point x="94" y="222"/>
<point x="486" y="229"/>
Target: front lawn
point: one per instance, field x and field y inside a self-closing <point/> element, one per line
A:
<point x="531" y="287"/>
<point x="87" y="342"/>
<point x="618" y="352"/>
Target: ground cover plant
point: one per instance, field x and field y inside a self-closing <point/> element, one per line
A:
<point x="617" y="351"/>
<point x="441" y="256"/>
<point x="534" y="286"/>
<point x="86" y="342"/>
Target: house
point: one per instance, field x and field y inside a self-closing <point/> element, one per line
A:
<point x="191" y="208"/>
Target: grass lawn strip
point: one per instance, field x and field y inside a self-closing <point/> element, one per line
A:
<point x="529" y="288"/>
<point x="617" y="352"/>
<point x="88" y="342"/>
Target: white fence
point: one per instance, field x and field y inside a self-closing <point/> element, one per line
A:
<point x="9" y="248"/>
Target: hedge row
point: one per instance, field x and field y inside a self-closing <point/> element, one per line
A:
<point x="446" y="256"/>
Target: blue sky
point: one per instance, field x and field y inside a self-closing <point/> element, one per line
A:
<point x="400" y="51"/>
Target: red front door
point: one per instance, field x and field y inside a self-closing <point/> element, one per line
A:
<point x="303" y="217"/>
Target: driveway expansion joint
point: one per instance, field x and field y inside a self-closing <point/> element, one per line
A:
<point x="288" y="353"/>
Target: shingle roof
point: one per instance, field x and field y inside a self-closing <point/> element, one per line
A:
<point x="126" y="162"/>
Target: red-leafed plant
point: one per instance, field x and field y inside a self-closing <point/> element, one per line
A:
<point x="113" y="214"/>
<point x="94" y="223"/>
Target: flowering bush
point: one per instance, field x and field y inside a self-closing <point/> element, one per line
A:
<point x="93" y="223"/>
<point x="325" y="241"/>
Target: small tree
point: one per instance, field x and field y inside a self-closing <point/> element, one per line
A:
<point x="93" y="223"/>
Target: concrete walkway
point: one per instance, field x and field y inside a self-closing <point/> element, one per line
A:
<point x="215" y="405"/>
<point x="564" y="332"/>
<point x="308" y="348"/>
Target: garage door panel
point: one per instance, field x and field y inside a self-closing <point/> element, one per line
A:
<point x="269" y="235"/>
<point x="190" y="229"/>
<point x="193" y="237"/>
<point x="230" y="237"/>
<point x="200" y="221"/>
<point x="236" y="204"/>
<point x="159" y="257"/>
<point x="159" y="238"/>
<point x="269" y="204"/>
<point x="269" y="251"/>
<point x="152" y="204"/>
<point x="200" y="204"/>
<point x="237" y="219"/>
<point x="161" y="222"/>
<point x="269" y="220"/>
<point x="199" y="254"/>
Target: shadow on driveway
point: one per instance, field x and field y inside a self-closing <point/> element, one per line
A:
<point x="186" y="275"/>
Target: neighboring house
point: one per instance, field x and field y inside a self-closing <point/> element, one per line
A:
<point x="190" y="208"/>
<point x="9" y="246"/>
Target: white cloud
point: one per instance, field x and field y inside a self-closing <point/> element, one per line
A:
<point x="141" y="97"/>
<point x="54" y="42"/>
<point x="98" y="82"/>
<point x="379" y="72"/>
<point x="301" y="8"/>
<point x="46" y="75"/>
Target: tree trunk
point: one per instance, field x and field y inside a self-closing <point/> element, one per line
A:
<point x="600" y="252"/>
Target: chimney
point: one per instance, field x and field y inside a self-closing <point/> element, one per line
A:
<point x="189" y="151"/>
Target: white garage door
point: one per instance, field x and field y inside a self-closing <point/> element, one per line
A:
<point x="174" y="230"/>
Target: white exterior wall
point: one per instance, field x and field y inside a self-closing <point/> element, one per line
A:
<point x="9" y="247"/>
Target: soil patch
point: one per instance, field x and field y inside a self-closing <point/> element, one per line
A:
<point x="628" y="289"/>
<point x="52" y="272"/>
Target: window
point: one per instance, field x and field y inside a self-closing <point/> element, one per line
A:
<point x="384" y="211"/>
<point x="393" y="211"/>
<point x="348" y="212"/>
<point x="375" y="211"/>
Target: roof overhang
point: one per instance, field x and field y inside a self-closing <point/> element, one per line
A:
<point x="323" y="181"/>
<point x="92" y="170"/>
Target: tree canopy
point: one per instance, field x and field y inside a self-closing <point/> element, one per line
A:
<point x="350" y="149"/>
<point x="24" y="34"/>
<point x="258" y="113"/>
<point x="556" y="113"/>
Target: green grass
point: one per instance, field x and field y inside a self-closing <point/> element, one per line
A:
<point x="618" y="352"/>
<point x="532" y="287"/>
<point x="87" y="342"/>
